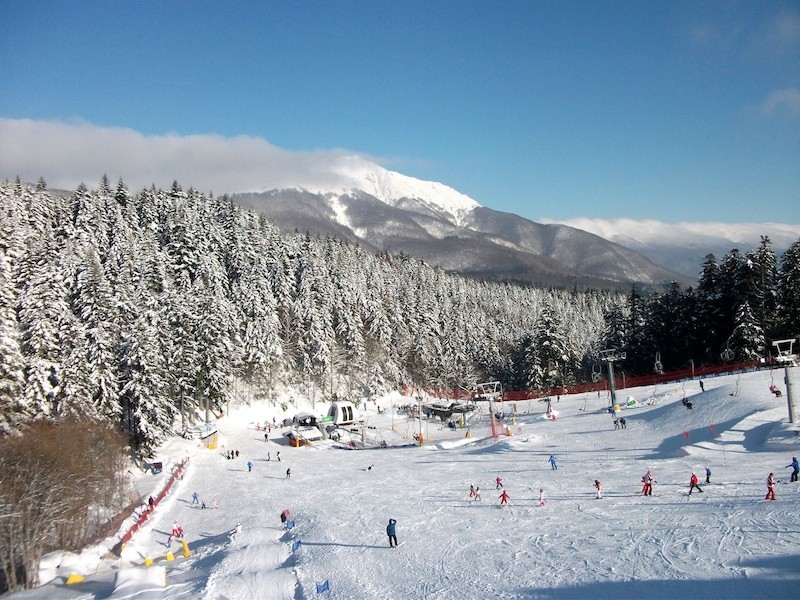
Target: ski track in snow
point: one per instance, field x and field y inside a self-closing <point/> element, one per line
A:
<point x="726" y="542"/>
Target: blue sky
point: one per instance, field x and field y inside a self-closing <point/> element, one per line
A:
<point x="677" y="111"/>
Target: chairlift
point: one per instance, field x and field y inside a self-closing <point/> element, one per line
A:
<point x="658" y="367"/>
<point x="597" y="374"/>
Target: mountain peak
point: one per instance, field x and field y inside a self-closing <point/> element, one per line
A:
<point x="390" y="187"/>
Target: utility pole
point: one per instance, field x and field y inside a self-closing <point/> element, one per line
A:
<point x="610" y="356"/>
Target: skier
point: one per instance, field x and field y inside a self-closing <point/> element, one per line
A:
<point x="288" y="473"/>
<point x="284" y="517"/>
<point x="214" y="503"/>
<point x="249" y="466"/>
<point x="237" y="454"/>
<point x="195" y="498"/>
<point x="693" y="482"/>
<point x="623" y="422"/>
<point x="795" y="466"/>
<point x="203" y="505"/>
<point x="268" y="457"/>
<point x="266" y="436"/>
<point x="708" y="475"/>
<point x="647" y="489"/>
<point x="151" y="502"/>
<point x="477" y="494"/>
<point x="498" y="483"/>
<point x="391" y="531"/>
<point x="541" y="496"/>
<point x="599" y="488"/>
<point x="472" y="491"/>
<point x="553" y="462"/>
<point x="504" y="498"/>
<point x="175" y="529"/>
<point x="770" y="488"/>
<point x="702" y="387"/>
<point x="278" y="455"/>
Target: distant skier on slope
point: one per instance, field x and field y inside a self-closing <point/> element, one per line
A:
<point x="796" y="466"/>
<point x="708" y="475"/>
<point x="541" y="496"/>
<point x="648" y="481"/>
<point x="391" y="532"/>
<point x="553" y="462"/>
<point x="693" y="484"/>
<point x="598" y="489"/>
<point x="471" y="491"/>
<point x="288" y="473"/>
<point x="504" y="498"/>
<point x="477" y="494"/>
<point x="498" y="483"/>
<point x="249" y="466"/>
<point x="770" y="488"/>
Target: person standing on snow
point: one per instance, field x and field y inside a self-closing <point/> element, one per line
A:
<point x="541" y="496"/>
<point x="391" y="531"/>
<point x="249" y="466"/>
<point x="472" y="491"/>
<point x="693" y="484"/>
<point x="498" y="483"/>
<point x="770" y="488"/>
<point x="794" y="464"/>
<point x="195" y="498"/>
<point x="598" y="488"/>
<point x="647" y="480"/>
<point x="504" y="498"/>
<point x="288" y="473"/>
<point x="708" y="475"/>
<point x="553" y="462"/>
<point x="477" y="494"/>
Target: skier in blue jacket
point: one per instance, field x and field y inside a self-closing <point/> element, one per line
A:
<point x="553" y="462"/>
<point x="391" y="531"/>
<point x="794" y="464"/>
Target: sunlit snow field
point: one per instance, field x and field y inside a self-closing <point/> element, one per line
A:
<point x="727" y="542"/>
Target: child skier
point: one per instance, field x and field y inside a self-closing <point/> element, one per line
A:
<point x="472" y="491"/>
<point x="795" y="466"/>
<point x="647" y="480"/>
<point x="504" y="498"/>
<point x="770" y="488"/>
<point x="541" y="496"/>
<point x="249" y="466"/>
<point x="498" y="483"/>
<point x="599" y="489"/>
<point x="708" y="475"/>
<point x="693" y="484"/>
<point x="195" y="498"/>
<point x="477" y="494"/>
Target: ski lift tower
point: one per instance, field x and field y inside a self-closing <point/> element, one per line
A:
<point x="492" y="390"/>
<point x="610" y="356"/>
<point x="787" y="359"/>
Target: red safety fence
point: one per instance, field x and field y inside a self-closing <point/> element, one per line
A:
<point x="176" y="474"/>
<point x="621" y="382"/>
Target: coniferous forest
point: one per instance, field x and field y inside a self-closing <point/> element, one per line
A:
<point x="142" y="310"/>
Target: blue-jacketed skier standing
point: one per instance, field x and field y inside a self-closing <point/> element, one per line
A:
<point x="794" y="464"/>
<point x="391" y="531"/>
<point x="553" y="462"/>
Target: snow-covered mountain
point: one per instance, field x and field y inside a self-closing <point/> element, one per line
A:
<point x="387" y="211"/>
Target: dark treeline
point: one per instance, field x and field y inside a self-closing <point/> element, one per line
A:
<point x="142" y="310"/>
<point x="740" y="305"/>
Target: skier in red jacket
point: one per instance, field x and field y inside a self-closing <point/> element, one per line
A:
<point x="770" y="488"/>
<point x="693" y="485"/>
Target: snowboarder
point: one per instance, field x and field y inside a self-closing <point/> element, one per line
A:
<point x="278" y="456"/>
<point x="708" y="475"/>
<point x="249" y="466"/>
<point x="477" y="494"/>
<point x="498" y="483"/>
<point x="195" y="498"/>
<point x="504" y="498"/>
<point x="795" y="466"/>
<point x="553" y="462"/>
<point x="693" y="484"/>
<point x="770" y="488"/>
<point x="541" y="496"/>
<point x="288" y="473"/>
<point x="391" y="531"/>
<point x="598" y="488"/>
<point x="647" y="480"/>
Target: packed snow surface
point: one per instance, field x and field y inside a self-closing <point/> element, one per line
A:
<point x="726" y="542"/>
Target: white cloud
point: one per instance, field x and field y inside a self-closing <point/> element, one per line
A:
<point x="67" y="154"/>
<point x="785" y="101"/>
<point x="630" y="232"/>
